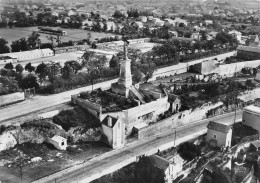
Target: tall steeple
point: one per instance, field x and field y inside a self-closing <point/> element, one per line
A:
<point x="125" y="78"/>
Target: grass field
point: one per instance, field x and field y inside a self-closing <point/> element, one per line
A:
<point x="16" y="33"/>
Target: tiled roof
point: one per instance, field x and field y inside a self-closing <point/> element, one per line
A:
<point x="218" y="127"/>
<point x="159" y="162"/>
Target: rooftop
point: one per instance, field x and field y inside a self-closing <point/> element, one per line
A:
<point x="252" y="108"/>
<point x="159" y="162"/>
<point x="113" y="119"/>
<point x="58" y="138"/>
<point x="218" y="127"/>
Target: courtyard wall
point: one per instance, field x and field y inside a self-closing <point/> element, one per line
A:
<point x="11" y="98"/>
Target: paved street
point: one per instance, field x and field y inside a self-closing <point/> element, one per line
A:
<point x="42" y="102"/>
<point x="116" y="159"/>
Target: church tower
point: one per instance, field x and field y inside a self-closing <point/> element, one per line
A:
<point x="124" y="83"/>
<point x="125" y="78"/>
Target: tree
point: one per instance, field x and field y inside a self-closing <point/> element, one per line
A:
<point x="3" y="72"/>
<point x="137" y="75"/>
<point x="41" y="71"/>
<point x="3" y="46"/>
<point x="145" y="172"/>
<point x="75" y="65"/>
<point x="29" y="67"/>
<point x="9" y="66"/>
<point x="114" y="62"/>
<point x="34" y="40"/>
<point x="20" y="45"/>
<point x="188" y="151"/>
<point x="53" y="70"/>
<point x="29" y="81"/>
<point x="19" y="68"/>
<point x="67" y="72"/>
<point x="86" y="58"/>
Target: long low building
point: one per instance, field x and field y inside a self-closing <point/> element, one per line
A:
<point x="30" y="55"/>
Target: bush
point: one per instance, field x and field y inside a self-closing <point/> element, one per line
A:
<point x="188" y="151"/>
<point x="76" y="117"/>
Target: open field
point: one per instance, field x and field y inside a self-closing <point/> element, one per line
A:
<point x="16" y="33"/>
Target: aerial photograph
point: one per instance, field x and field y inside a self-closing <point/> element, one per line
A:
<point x="129" y="91"/>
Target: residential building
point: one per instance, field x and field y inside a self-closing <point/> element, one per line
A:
<point x="58" y="142"/>
<point x="178" y="21"/>
<point x="208" y="22"/>
<point x="236" y="34"/>
<point x="219" y="135"/>
<point x="70" y="13"/>
<point x="173" y="33"/>
<point x="139" y="25"/>
<point x="113" y="131"/>
<point x="170" y="169"/>
<point x="111" y="26"/>
<point x="211" y="35"/>
<point x="251" y="117"/>
<point x="195" y="35"/>
<point x="143" y="19"/>
<point x="253" y="41"/>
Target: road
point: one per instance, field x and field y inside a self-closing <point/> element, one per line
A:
<point x="42" y="102"/>
<point x="116" y="159"/>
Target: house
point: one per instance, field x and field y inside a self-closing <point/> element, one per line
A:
<point x="171" y="170"/>
<point x="208" y="22"/>
<point x="195" y="35"/>
<point x="178" y="21"/>
<point x="149" y="18"/>
<point x="251" y="117"/>
<point x="111" y="26"/>
<point x="54" y="13"/>
<point x="139" y="25"/>
<point x="70" y="13"/>
<point x="253" y="41"/>
<point x="113" y="132"/>
<point x="173" y="33"/>
<point x="177" y="164"/>
<point x="169" y="21"/>
<point x="219" y="134"/>
<point x="143" y="19"/>
<point x="58" y="142"/>
<point x="175" y="103"/>
<point x="236" y="34"/>
<point x="211" y="35"/>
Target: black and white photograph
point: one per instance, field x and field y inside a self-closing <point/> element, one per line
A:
<point x="129" y="91"/>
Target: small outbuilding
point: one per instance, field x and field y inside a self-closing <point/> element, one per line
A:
<point x="219" y="134"/>
<point x="58" y="142"/>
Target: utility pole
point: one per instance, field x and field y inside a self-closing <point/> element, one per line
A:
<point x="174" y="135"/>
